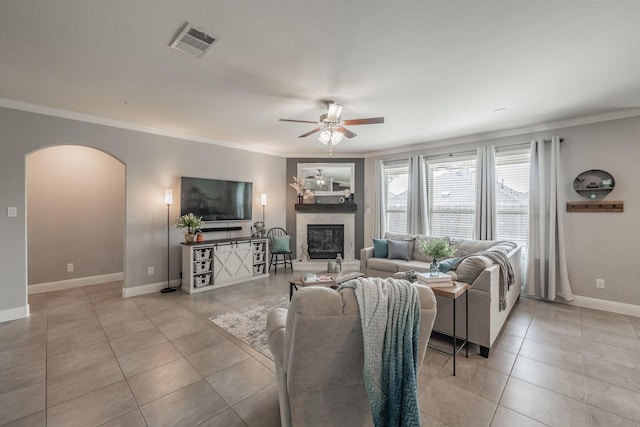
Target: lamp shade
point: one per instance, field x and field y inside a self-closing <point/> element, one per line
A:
<point x="168" y="196"/>
<point x="263" y="199"/>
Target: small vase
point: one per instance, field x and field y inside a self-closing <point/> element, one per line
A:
<point x="189" y="237"/>
<point x="434" y="272"/>
<point x="300" y="199"/>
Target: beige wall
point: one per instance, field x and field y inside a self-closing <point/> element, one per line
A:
<point x="75" y="213"/>
<point x="152" y="164"/>
<point x="599" y="245"/>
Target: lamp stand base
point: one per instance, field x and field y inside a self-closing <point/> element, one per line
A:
<point x="167" y="290"/>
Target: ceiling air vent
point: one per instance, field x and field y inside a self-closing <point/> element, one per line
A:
<point x="193" y="41"/>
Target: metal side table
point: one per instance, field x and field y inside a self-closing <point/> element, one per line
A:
<point x="454" y="292"/>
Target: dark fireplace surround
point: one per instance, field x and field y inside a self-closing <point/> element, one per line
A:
<point x="325" y="241"/>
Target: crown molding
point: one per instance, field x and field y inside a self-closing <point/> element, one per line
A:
<point x="120" y="124"/>
<point x="623" y="114"/>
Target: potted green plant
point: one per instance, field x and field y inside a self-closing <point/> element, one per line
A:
<point x="436" y="249"/>
<point x="192" y="223"/>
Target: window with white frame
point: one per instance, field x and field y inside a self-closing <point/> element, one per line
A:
<point x="452" y="196"/>
<point x="396" y="189"/>
<point x="512" y="197"/>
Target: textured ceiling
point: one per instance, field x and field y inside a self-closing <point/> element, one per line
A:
<point x="434" y="69"/>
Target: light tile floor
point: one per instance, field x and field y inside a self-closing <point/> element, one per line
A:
<point x="88" y="357"/>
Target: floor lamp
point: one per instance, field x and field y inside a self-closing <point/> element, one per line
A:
<point x="168" y="199"/>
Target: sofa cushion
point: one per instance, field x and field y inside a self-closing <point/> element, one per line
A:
<point x="398" y="250"/>
<point x="471" y="267"/>
<point x="380" y="248"/>
<point x="471" y="246"/>
<point x="446" y="264"/>
<point x="384" y="264"/>
<point x="402" y="237"/>
<point x="419" y="266"/>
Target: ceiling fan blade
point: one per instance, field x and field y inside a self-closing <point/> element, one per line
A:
<point x="334" y="112"/>
<point x="370" y="121"/>
<point x="310" y="132"/>
<point x="346" y="132"/>
<point x="298" y="121"/>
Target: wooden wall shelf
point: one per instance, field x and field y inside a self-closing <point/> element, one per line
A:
<point x="595" y="206"/>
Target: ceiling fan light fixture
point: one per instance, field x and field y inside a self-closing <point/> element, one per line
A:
<point x="325" y="136"/>
<point x="336" y="137"/>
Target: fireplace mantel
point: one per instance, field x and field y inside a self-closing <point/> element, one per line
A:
<point x="326" y="207"/>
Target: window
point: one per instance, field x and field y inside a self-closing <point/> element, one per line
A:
<point x="512" y="198"/>
<point x="452" y="197"/>
<point x="396" y="189"/>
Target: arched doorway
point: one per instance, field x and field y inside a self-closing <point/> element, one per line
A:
<point x="75" y="217"/>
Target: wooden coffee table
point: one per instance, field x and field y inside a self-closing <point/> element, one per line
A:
<point x="339" y="278"/>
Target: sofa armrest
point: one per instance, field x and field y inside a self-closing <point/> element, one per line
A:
<point x="276" y="331"/>
<point x="365" y="254"/>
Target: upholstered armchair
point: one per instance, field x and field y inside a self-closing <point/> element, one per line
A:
<point x="318" y="351"/>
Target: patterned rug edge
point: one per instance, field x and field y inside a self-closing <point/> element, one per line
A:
<point x="248" y="324"/>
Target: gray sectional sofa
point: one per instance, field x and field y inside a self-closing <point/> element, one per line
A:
<point x="486" y="316"/>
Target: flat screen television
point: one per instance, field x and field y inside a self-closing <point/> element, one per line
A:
<point x="215" y="199"/>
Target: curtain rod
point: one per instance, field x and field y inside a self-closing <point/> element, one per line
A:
<point x="469" y="152"/>
<point x="463" y="153"/>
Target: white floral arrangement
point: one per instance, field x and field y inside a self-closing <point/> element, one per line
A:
<point x="298" y="184"/>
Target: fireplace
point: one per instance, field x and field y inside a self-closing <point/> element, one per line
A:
<point x="347" y="220"/>
<point x="325" y="241"/>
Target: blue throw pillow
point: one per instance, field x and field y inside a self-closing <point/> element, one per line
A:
<point x="380" y="248"/>
<point x="399" y="250"/>
<point x="280" y="244"/>
<point x="446" y="264"/>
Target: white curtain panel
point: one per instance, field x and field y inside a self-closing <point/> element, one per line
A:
<point x="547" y="277"/>
<point x="417" y="210"/>
<point x="485" y="228"/>
<point x="379" y="202"/>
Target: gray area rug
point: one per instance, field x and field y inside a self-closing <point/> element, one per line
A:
<point x="249" y="323"/>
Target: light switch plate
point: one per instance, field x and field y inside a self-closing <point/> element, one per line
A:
<point x="11" y="211"/>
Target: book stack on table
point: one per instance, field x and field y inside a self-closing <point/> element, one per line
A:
<point x="442" y="280"/>
<point x="317" y="278"/>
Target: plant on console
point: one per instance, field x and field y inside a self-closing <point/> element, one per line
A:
<point x="192" y="223"/>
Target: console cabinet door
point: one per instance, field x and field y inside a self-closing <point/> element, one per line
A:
<point x="232" y="261"/>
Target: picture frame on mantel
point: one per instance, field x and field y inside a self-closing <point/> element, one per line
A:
<point x="309" y="197"/>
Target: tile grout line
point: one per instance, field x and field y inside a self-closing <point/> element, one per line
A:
<point x="118" y="362"/>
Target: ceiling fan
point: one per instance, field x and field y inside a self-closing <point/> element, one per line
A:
<point x="331" y="125"/>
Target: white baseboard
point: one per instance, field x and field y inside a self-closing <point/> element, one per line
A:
<point x="14" y="313"/>
<point x="606" y="305"/>
<point x="74" y="283"/>
<point x="147" y="289"/>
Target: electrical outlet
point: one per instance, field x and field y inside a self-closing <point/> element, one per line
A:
<point x="150" y="270"/>
<point x="600" y="283"/>
<point x="11" y="212"/>
<point x="70" y="267"/>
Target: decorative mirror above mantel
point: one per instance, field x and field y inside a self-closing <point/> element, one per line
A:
<point x="328" y="179"/>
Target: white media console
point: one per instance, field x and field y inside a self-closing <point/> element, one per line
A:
<point x="216" y="263"/>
